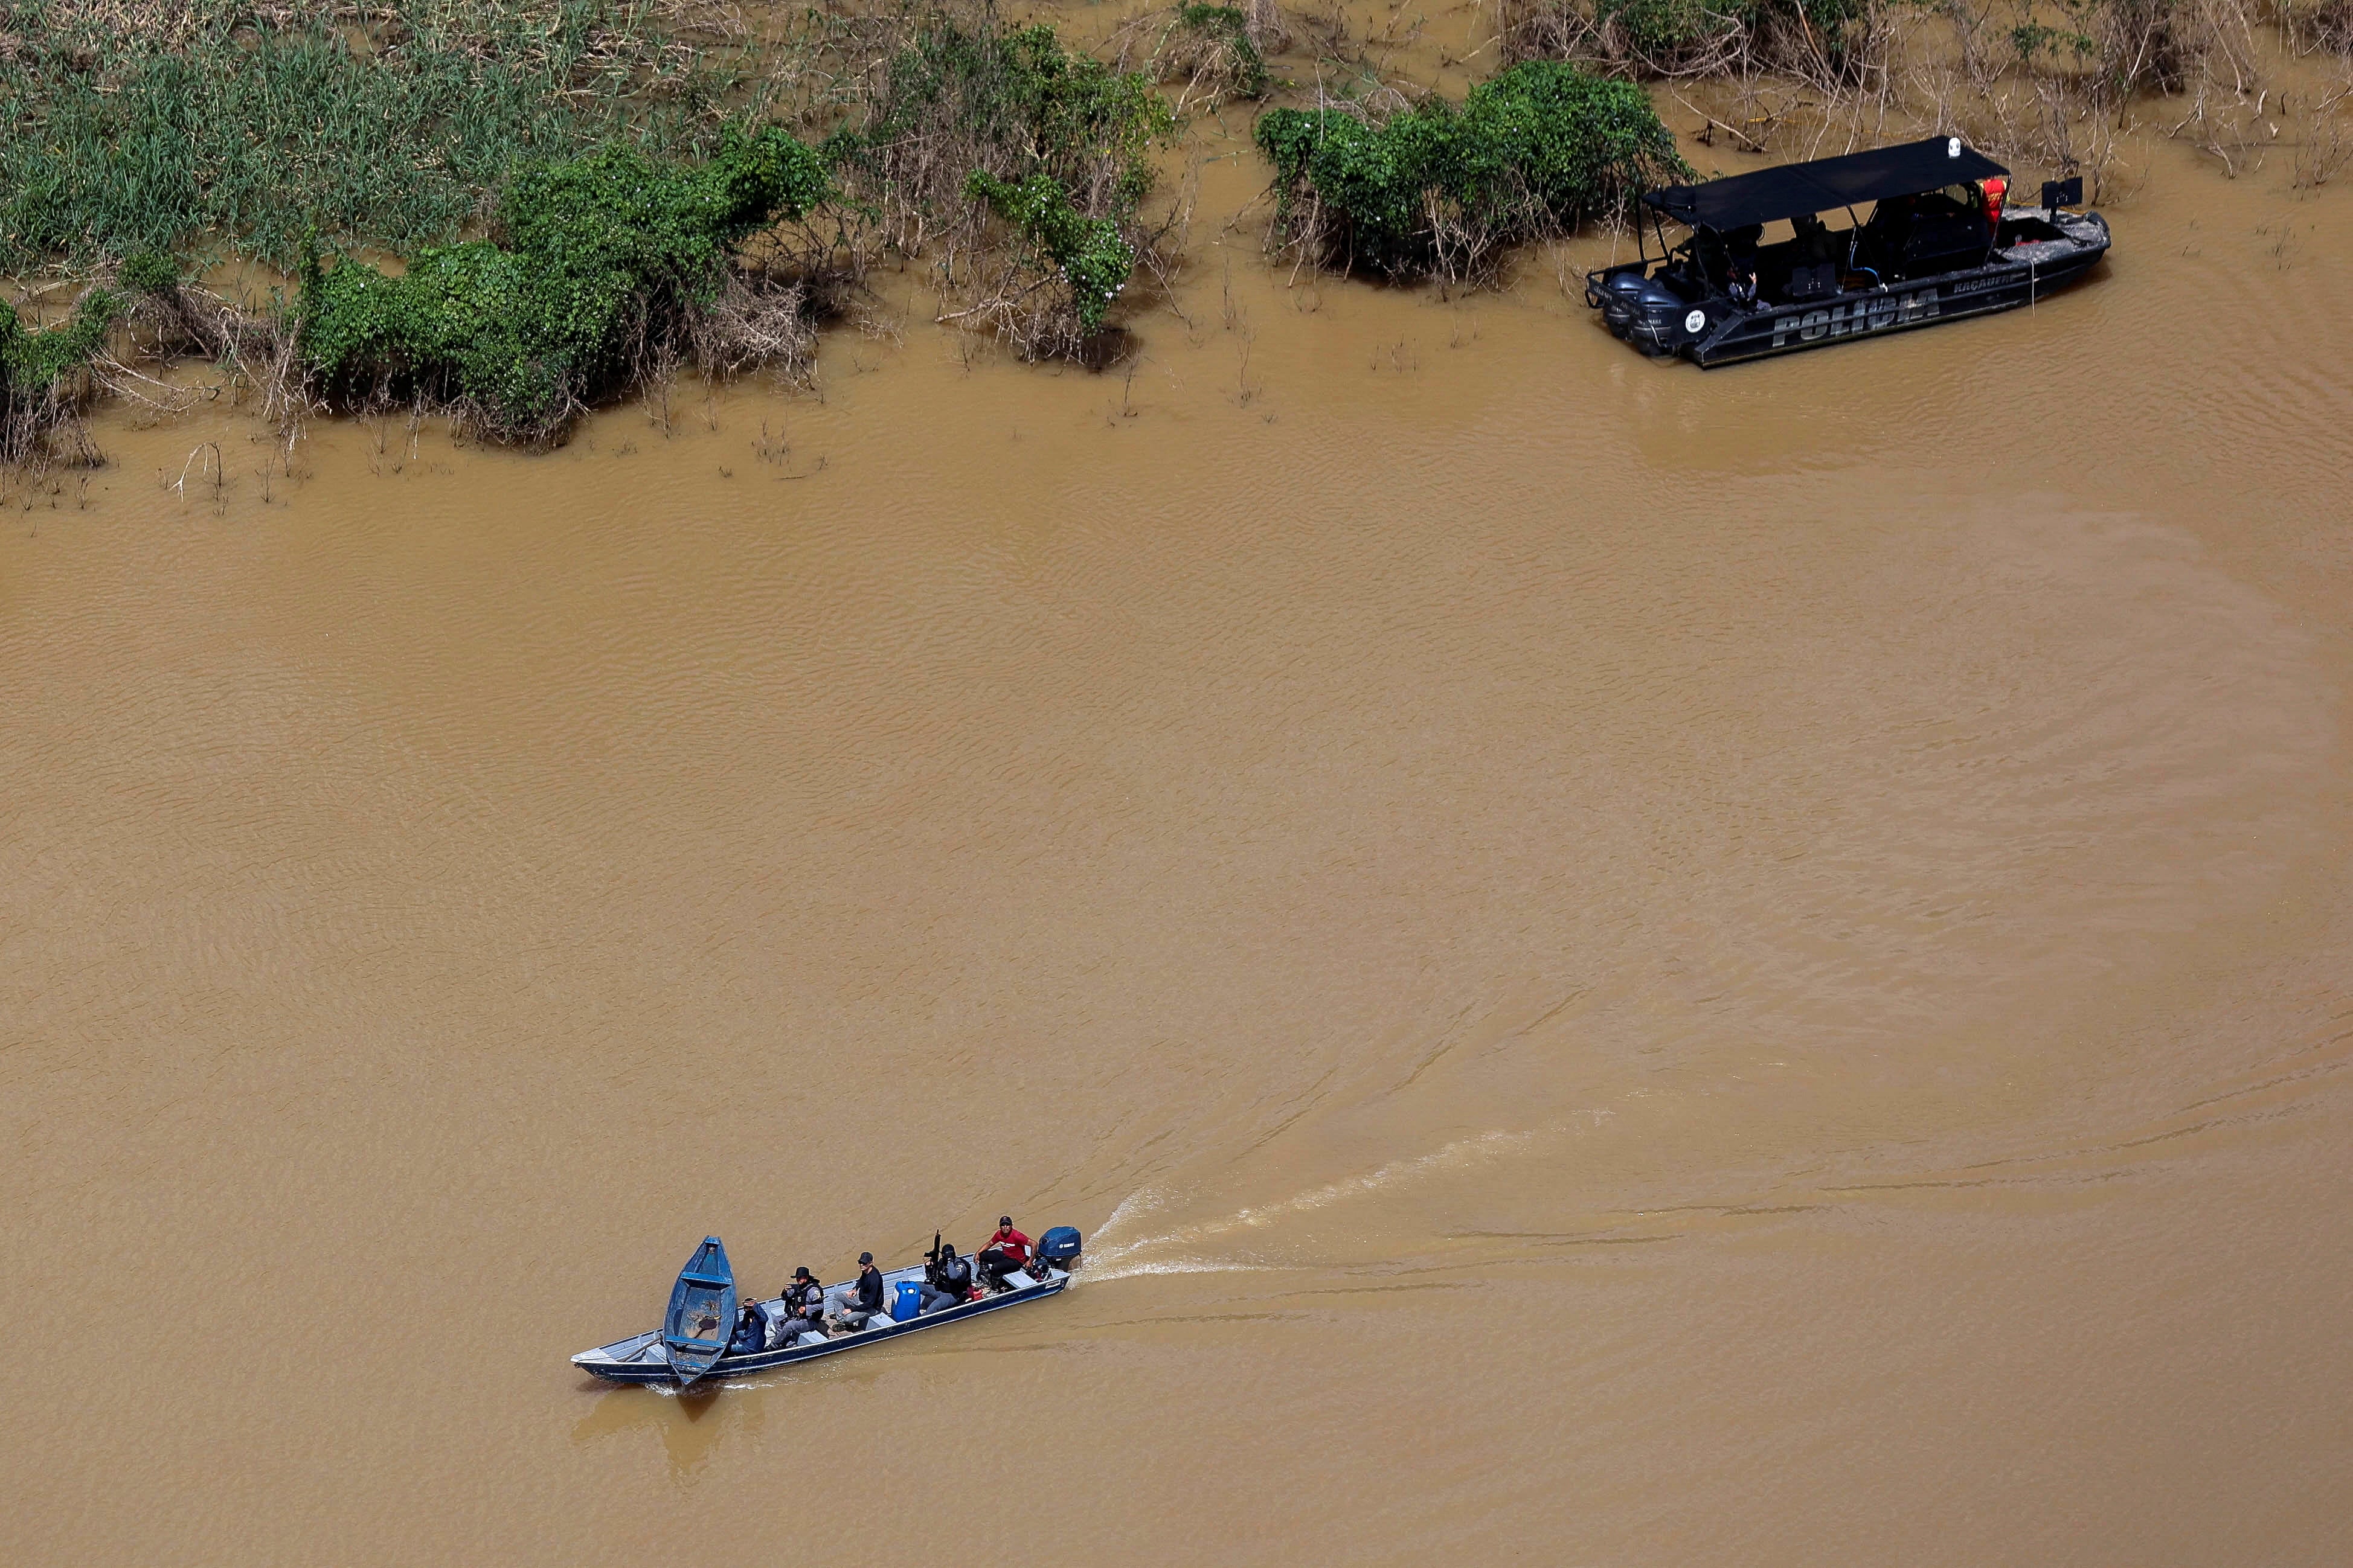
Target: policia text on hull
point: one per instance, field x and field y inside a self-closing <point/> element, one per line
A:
<point x="1935" y="244"/>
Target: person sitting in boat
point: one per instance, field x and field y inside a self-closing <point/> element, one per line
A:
<point x="751" y="1330"/>
<point x="864" y="1299"/>
<point x="1742" y="285"/>
<point x="1742" y="269"/>
<point x="1003" y="1253"/>
<point x="804" y="1308"/>
<point x="947" y="1280"/>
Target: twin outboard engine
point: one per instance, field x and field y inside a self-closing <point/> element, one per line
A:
<point x="1619" y="294"/>
<point x="1060" y="1247"/>
<point x="1647" y="313"/>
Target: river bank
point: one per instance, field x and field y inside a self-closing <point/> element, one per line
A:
<point x="1028" y="188"/>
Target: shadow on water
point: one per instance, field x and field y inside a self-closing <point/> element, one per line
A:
<point x="691" y="1424"/>
<point x="1107" y="349"/>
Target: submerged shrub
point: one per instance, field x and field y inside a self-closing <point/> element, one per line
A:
<point x="1211" y="53"/>
<point x="149" y="273"/>
<point x="1670" y="35"/>
<point x="599" y="259"/>
<point x="1221" y="58"/>
<point x="1092" y="259"/>
<point x="34" y="366"/>
<point x="1823" y="41"/>
<point x="972" y="119"/>
<point x="1015" y="104"/>
<point x="1535" y="150"/>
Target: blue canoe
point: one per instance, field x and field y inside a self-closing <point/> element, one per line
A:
<point x="701" y="1312"/>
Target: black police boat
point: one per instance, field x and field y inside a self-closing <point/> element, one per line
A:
<point x="1936" y="245"/>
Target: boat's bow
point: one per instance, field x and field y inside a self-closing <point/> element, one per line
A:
<point x="702" y="1315"/>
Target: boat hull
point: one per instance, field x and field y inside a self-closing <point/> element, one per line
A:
<point x="617" y="1363"/>
<point x="1894" y="308"/>
<point x="1718" y="331"/>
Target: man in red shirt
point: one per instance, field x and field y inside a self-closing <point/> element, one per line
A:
<point x="1003" y="1253"/>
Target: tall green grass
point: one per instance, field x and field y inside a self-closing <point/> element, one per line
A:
<point x="124" y="131"/>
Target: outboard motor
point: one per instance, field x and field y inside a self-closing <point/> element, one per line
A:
<point x="1622" y="293"/>
<point x="1657" y="313"/>
<point x="1060" y="1247"/>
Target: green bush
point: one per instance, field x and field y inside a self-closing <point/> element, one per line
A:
<point x="1088" y="251"/>
<point x="149" y="272"/>
<point x="599" y="257"/>
<point x="33" y="362"/>
<point x="1534" y="150"/>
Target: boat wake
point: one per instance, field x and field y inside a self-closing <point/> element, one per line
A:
<point x="1179" y="1251"/>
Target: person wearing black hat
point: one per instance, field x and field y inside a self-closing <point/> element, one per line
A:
<point x="804" y="1308"/>
<point x="863" y="1299"/>
<point x="1003" y="1253"/>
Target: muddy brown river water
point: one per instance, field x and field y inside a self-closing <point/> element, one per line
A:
<point x="1621" y="964"/>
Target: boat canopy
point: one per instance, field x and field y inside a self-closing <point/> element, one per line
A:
<point x="1796" y="189"/>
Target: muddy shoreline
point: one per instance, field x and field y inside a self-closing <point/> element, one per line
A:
<point x="2285" y="113"/>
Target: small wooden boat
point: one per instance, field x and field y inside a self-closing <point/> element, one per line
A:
<point x="702" y="1315"/>
<point x="649" y="1358"/>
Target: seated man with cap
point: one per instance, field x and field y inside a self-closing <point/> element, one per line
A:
<point x="1005" y="1253"/>
<point x="862" y="1299"/>
<point x="804" y="1308"/>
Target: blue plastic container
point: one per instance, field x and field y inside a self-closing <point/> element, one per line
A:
<point x="907" y="1302"/>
